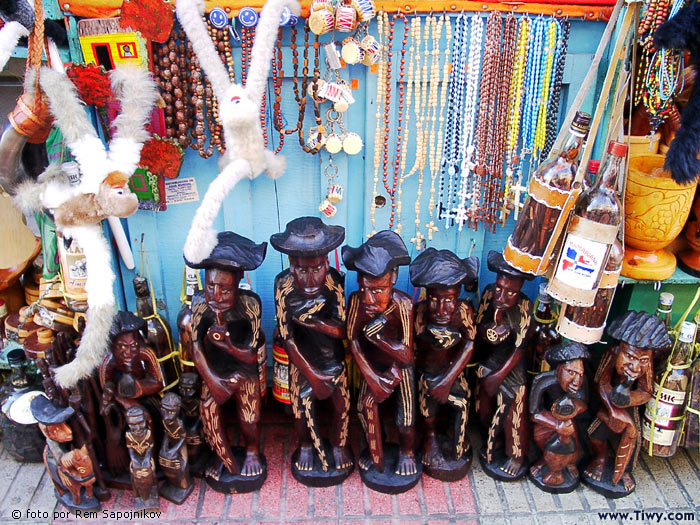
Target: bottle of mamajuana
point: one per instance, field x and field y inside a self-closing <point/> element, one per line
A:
<point x="543" y="334"/>
<point x="664" y="308"/>
<point x="663" y="415"/>
<point x="691" y="434"/>
<point x="547" y="192"/>
<point x="192" y="286"/>
<point x="591" y="233"/>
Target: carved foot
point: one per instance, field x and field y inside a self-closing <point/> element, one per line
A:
<point x="512" y="466"/>
<point x="628" y="482"/>
<point x="406" y="465"/>
<point x="595" y="469"/>
<point x="306" y="459"/>
<point x="573" y="470"/>
<point x="365" y="463"/>
<point x="342" y="457"/>
<point x="432" y="455"/>
<point x="553" y="478"/>
<point x="252" y="465"/>
<point x="537" y="467"/>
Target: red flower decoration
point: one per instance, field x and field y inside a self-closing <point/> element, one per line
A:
<point x="92" y="82"/>
<point x="162" y="157"/>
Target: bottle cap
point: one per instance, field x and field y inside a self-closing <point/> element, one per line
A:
<point x="581" y="122"/>
<point x="619" y="149"/>
<point x="544" y="296"/>
<point x="687" y="334"/>
<point x="666" y="298"/>
<point x="16" y="357"/>
<point x="593" y="167"/>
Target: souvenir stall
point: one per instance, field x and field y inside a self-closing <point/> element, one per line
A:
<point x="347" y="208"/>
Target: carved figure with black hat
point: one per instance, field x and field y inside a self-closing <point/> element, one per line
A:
<point x="502" y="323"/>
<point x="624" y="382"/>
<point x="139" y="441"/>
<point x="70" y="469"/>
<point x="557" y="398"/>
<point x="311" y="315"/>
<point x="444" y="331"/>
<point x="226" y="335"/>
<point x="380" y="337"/>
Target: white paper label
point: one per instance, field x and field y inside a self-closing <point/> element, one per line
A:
<point x="662" y="436"/>
<point x="581" y="262"/>
<point x="670" y="405"/>
<point x="179" y="191"/>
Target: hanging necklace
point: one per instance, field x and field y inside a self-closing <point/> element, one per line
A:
<point x="548" y="61"/>
<point x="277" y="76"/>
<point x="533" y="86"/>
<point x="381" y="148"/>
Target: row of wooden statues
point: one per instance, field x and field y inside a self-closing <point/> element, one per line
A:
<point x="412" y="358"/>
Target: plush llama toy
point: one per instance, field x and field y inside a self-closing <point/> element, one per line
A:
<point x="239" y="111"/>
<point x="683" y="32"/>
<point x="103" y="191"/>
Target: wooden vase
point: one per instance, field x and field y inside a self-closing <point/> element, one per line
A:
<point x="656" y="209"/>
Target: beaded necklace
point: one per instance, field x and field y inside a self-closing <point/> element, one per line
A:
<point x="277" y="76"/>
<point x="533" y="82"/>
<point x="553" y="107"/>
<point x="549" y="58"/>
<point x="310" y="90"/>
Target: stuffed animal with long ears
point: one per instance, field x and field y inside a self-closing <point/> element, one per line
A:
<point x="239" y="112"/>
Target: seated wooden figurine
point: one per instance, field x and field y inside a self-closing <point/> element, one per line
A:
<point x="624" y="382"/>
<point x="70" y="469"/>
<point x="557" y="398"/>
<point x="310" y="301"/>
<point x="226" y="336"/>
<point x="173" y="458"/>
<point x="501" y="327"/>
<point x="139" y="441"/>
<point x="197" y="450"/>
<point x="444" y="332"/>
<point x="380" y="340"/>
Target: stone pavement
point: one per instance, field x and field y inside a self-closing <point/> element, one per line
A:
<point x="662" y="486"/>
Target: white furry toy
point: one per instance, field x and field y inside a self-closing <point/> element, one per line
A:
<point x="239" y="111"/>
<point x="18" y="16"/>
<point x="103" y="191"/>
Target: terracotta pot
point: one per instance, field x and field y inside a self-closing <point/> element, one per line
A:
<point x="689" y="260"/>
<point x="656" y="209"/>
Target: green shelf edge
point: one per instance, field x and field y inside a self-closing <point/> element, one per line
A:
<point x="678" y="277"/>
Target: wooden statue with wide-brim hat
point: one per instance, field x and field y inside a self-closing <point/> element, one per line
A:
<point x="444" y="332"/>
<point x="311" y="315"/>
<point x="226" y="335"/>
<point x="502" y="324"/>
<point x="380" y="338"/>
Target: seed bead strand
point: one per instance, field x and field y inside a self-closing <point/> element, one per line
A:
<point x="383" y="34"/>
<point x="550" y="54"/>
<point x="553" y="107"/>
<point x="531" y="81"/>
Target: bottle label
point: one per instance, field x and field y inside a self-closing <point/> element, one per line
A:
<point x="581" y="262"/>
<point x="670" y="405"/>
<point x="662" y="436"/>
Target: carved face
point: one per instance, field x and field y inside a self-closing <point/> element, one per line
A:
<point x="169" y="413"/>
<point x="237" y="110"/>
<point x="505" y="295"/>
<point x="137" y="422"/>
<point x="633" y="362"/>
<point x="570" y="375"/>
<point x="60" y="432"/>
<point x="442" y="303"/>
<point x="309" y="274"/>
<point x="221" y="289"/>
<point x="115" y="198"/>
<point x="375" y="292"/>
<point x="126" y="348"/>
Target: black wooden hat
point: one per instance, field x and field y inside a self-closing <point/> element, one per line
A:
<point x="125" y="322"/>
<point x="496" y="263"/>
<point x="567" y="351"/>
<point x="46" y="413"/>
<point x="232" y="253"/>
<point x="442" y="269"/>
<point x="308" y="237"/>
<point x="382" y="252"/>
<point x="640" y="329"/>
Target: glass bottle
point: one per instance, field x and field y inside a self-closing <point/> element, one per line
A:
<point x="543" y="335"/>
<point x="537" y="220"/>
<point x="591" y="233"/>
<point x="184" y="317"/>
<point x="691" y="434"/>
<point x="664" y="308"/>
<point x="670" y="385"/>
<point x="3" y="316"/>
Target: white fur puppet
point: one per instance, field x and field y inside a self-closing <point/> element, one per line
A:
<point x="239" y="112"/>
<point x="103" y="191"/>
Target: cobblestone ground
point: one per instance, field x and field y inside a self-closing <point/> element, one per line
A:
<point x="663" y="486"/>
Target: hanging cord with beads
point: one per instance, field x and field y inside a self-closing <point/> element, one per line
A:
<point x="436" y="152"/>
<point x="309" y="90"/>
<point x="196" y="91"/>
<point x="277" y="76"/>
<point x="533" y="86"/>
<point x="549" y="61"/>
<point x="215" y="127"/>
<point x="553" y="107"/>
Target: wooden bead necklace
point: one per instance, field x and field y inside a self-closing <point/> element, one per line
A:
<point x="277" y="76"/>
<point x="310" y="90"/>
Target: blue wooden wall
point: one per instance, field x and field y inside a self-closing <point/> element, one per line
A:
<point x="259" y="208"/>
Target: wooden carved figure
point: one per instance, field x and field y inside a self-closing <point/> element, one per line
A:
<point x="189" y="389"/>
<point x="173" y="458"/>
<point x="502" y="324"/>
<point x="556" y="399"/>
<point x="381" y="342"/>
<point x="70" y="470"/>
<point x="139" y="441"/>
<point x="444" y="332"/>
<point x="310" y="301"/>
<point x="624" y="382"/>
<point x="226" y="336"/>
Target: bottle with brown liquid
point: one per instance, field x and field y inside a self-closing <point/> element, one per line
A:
<point x="664" y="309"/>
<point x="691" y="434"/>
<point x="543" y="334"/>
<point x="664" y="415"/>
<point x="183" y="320"/>
<point x="552" y="180"/>
<point x="591" y="233"/>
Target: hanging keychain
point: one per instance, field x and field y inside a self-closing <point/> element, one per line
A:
<point x="334" y="192"/>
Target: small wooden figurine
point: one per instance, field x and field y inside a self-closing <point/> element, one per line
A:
<point x="71" y="471"/>
<point x="502" y="325"/>
<point x="189" y="389"/>
<point x="226" y="336"/>
<point x="624" y="382"/>
<point x="380" y="337"/>
<point x="310" y="301"/>
<point x="173" y="458"/>
<point x="556" y="399"/>
<point x="444" y="330"/>
<point x="139" y="441"/>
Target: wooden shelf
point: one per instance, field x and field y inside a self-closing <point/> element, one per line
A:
<point x="678" y="277"/>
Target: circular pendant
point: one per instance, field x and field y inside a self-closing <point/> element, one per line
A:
<point x="333" y="144"/>
<point x="248" y="17"/>
<point x="492" y="335"/>
<point x="218" y="18"/>
<point x="341" y="106"/>
<point x="351" y="51"/>
<point x="352" y="143"/>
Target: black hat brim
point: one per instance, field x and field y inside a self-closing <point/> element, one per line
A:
<point x="233" y="253"/>
<point x="308" y="237"/>
<point x="380" y="254"/>
<point x="497" y="264"/>
<point x="441" y="269"/>
<point x="46" y="413"/>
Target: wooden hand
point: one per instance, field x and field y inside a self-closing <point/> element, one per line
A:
<point x="441" y="391"/>
<point x="382" y="385"/>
